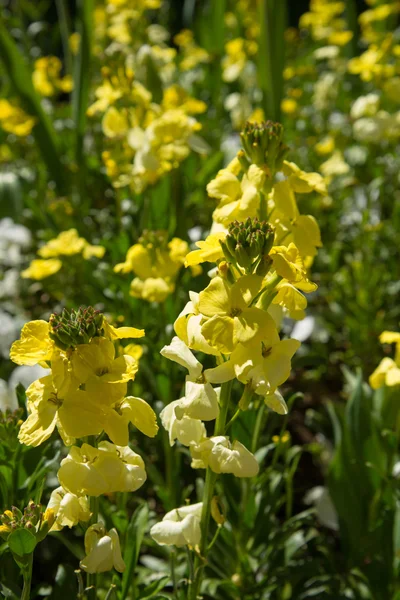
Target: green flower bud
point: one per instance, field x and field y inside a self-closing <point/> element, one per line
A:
<point x="248" y="242"/>
<point x="263" y="145"/>
<point x="75" y="327"/>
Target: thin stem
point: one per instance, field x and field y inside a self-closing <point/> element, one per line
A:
<point x="91" y="580"/>
<point x="233" y="419"/>
<point x="27" y="573"/>
<point x="258" y="428"/>
<point x="211" y="477"/>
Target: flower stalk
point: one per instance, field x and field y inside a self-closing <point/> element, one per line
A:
<point x="209" y="486"/>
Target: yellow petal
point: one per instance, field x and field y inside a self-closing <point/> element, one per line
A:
<point x="34" y="346"/>
<point x="140" y="414"/>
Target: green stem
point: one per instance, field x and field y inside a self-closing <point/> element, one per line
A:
<point x="27" y="573"/>
<point x="211" y="478"/>
<point x="91" y="580"/>
<point x="257" y="428"/>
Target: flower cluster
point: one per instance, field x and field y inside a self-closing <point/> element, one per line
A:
<point x="156" y="263"/>
<point x="260" y="275"/>
<point x="85" y="394"/>
<point x="66" y="244"/>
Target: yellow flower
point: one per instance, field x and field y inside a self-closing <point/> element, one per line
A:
<point x="289" y="106"/>
<point x="14" y="120"/>
<point x="238" y="199"/>
<point x="96" y="471"/>
<point x="210" y="250"/>
<point x="130" y="410"/>
<point x="388" y="371"/>
<point x="181" y="427"/>
<point x="40" y="269"/>
<point x="68" y="243"/>
<point x="188" y="327"/>
<point x="103" y="551"/>
<point x="325" y="146"/>
<point x="114" y="123"/>
<point x="302" y="182"/>
<point x="179" y="527"/>
<point x="69" y="509"/>
<point x="74" y="412"/>
<point x="46" y="77"/>
<point x="285" y="215"/>
<point x="263" y="364"/>
<point x="121" y="333"/>
<point x="34" y="347"/>
<point x="222" y="456"/>
<point x="231" y="318"/>
<point x="176" y="97"/>
<point x="290" y="266"/>
<point x="156" y="262"/>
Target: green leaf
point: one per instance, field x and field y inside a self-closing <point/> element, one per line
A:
<point x="156" y="586"/>
<point x="80" y="94"/>
<point x="21" y="78"/>
<point x="271" y="54"/>
<point x="133" y="542"/>
<point x="21" y="542"/>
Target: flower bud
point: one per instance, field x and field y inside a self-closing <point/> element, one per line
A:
<point x="262" y="143"/>
<point x="75" y="327"/>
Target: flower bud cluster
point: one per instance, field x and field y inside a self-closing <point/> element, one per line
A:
<point x="74" y="327"/>
<point x="247" y="244"/>
<point x="262" y="143"/>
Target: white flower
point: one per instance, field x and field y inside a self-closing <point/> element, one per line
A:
<point x="201" y="399"/>
<point x="222" y="456"/>
<point x="103" y="551"/>
<point x="68" y="508"/>
<point x="179" y="527"/>
<point x="181" y="427"/>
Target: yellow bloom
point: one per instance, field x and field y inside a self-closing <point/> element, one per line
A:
<point x="302" y="182"/>
<point x="34" y="347"/>
<point x="96" y="471"/>
<point x="179" y="527"/>
<point x="46" y="77"/>
<point x="285" y="215"/>
<point x="222" y="456"/>
<point x="75" y="413"/>
<point x="130" y="410"/>
<point x="114" y="123"/>
<point x="69" y="509"/>
<point x="210" y="250"/>
<point x="121" y="333"/>
<point x="188" y="327"/>
<point x="325" y="146"/>
<point x="156" y="262"/>
<point x="289" y="265"/>
<point x="40" y="269"/>
<point x="68" y="243"/>
<point x="263" y="364"/>
<point x="388" y="371"/>
<point x="289" y="106"/>
<point x="238" y="199"/>
<point x="231" y="318"/>
<point x="14" y="120"/>
<point x="103" y="551"/>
